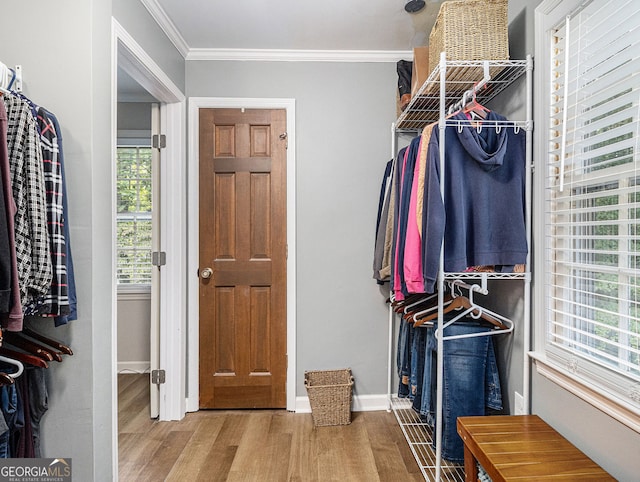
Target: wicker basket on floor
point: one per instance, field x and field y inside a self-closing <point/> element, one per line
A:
<point x="470" y="30"/>
<point x="330" y="393"/>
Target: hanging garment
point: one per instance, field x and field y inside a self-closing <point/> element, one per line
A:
<point x="22" y="439"/>
<point x="38" y="403"/>
<point x="71" y="281"/>
<point x="6" y="222"/>
<point x="412" y="259"/>
<point x="9" y="407"/>
<point x="403" y="198"/>
<point x="422" y="166"/>
<point x="484" y="198"/>
<point x="31" y="233"/>
<point x="56" y="300"/>
<point x="471" y="382"/>
<point x="389" y="240"/>
<point x="381" y="223"/>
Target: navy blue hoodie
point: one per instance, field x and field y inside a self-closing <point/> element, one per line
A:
<point x="482" y="217"/>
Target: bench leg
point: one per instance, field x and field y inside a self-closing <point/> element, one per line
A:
<point x="470" y="466"/>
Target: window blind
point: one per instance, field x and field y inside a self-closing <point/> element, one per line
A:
<point x="592" y="200"/>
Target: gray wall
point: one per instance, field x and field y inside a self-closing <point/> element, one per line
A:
<point x="134" y="328"/>
<point x="134" y="116"/>
<point x="136" y="20"/>
<point x="343" y="117"/>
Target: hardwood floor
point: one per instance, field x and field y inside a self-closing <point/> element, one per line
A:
<point x="256" y="445"/>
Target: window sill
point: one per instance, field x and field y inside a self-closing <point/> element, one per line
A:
<point x="591" y="394"/>
<point x="134" y="292"/>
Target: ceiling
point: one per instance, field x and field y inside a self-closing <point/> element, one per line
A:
<point x="211" y="28"/>
<point x="378" y="25"/>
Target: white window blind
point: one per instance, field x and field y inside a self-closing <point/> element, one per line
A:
<point x="592" y="199"/>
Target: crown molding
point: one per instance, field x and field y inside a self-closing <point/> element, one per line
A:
<point x="167" y="26"/>
<point x="282" y="55"/>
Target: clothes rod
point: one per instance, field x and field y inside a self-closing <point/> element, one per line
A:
<point x="471" y="92"/>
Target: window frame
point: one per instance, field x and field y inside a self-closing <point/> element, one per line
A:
<point x="594" y="384"/>
<point x="132" y="288"/>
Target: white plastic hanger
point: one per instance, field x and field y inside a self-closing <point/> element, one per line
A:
<point x="15" y="363"/>
<point x="476" y="311"/>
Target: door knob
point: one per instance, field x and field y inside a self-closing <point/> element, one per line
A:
<point x="206" y="273"/>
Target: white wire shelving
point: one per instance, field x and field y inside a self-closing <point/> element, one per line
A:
<point x="448" y="86"/>
<point x="420" y="439"/>
<point x="460" y="77"/>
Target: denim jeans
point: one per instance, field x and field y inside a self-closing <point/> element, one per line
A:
<point x="428" y="392"/>
<point x="9" y="407"/>
<point x="405" y="341"/>
<point x="471" y="381"/>
<point x="417" y="366"/>
<point x="465" y="383"/>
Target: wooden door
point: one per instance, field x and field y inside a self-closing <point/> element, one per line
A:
<point x="242" y="258"/>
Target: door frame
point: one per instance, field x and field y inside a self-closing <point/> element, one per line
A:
<point x="130" y="56"/>
<point x="195" y="104"/>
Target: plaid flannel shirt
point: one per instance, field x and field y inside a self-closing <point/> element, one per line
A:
<point x="27" y="180"/>
<point x="56" y="301"/>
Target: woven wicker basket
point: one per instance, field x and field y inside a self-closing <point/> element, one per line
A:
<point x="330" y="396"/>
<point x="470" y="30"/>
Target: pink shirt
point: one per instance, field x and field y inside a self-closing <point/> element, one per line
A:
<point x="413" y="243"/>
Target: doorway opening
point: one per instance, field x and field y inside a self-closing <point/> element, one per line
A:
<point x="131" y="63"/>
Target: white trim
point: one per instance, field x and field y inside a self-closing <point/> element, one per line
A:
<point x="361" y="403"/>
<point x="114" y="299"/>
<point x="284" y="55"/>
<point x="128" y="54"/>
<point x="134" y="367"/>
<point x="596" y="397"/>
<point x="195" y="104"/>
<point x="143" y="69"/>
<point x="167" y="26"/>
<point x="173" y="289"/>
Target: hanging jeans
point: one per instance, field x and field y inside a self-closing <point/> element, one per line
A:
<point x="471" y="382"/>
<point x="405" y="341"/>
<point x="9" y="406"/>
<point x="38" y="403"/>
<point x="418" y="346"/>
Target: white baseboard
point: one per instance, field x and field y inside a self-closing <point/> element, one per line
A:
<point x="361" y="403"/>
<point x="134" y="367"/>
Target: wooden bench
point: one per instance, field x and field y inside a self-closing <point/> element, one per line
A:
<point x="522" y="448"/>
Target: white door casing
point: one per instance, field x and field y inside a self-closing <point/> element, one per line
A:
<point x="195" y="104"/>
